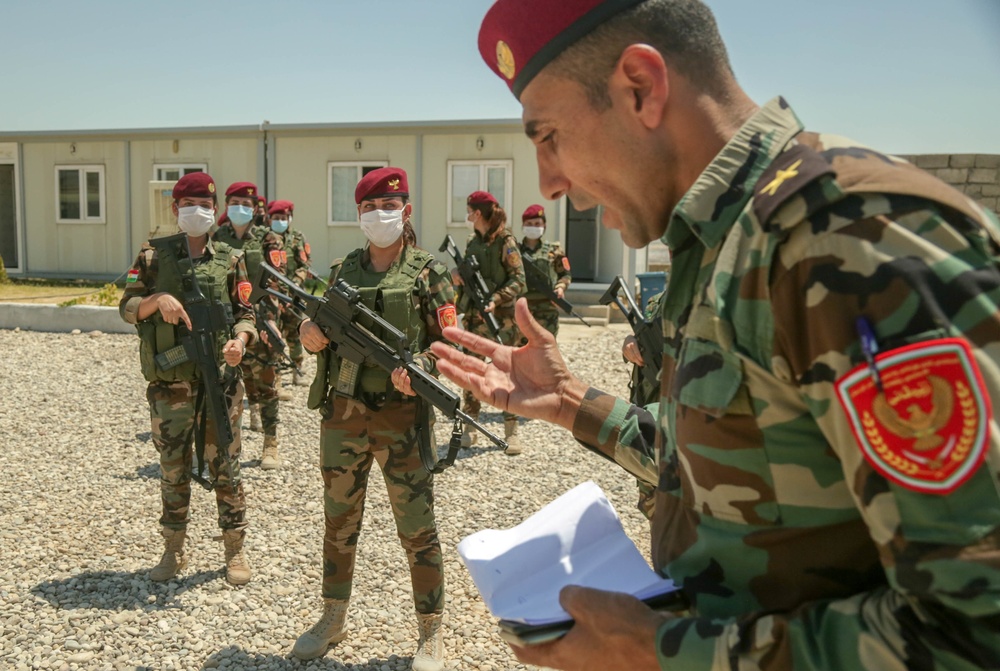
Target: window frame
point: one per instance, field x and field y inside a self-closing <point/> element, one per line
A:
<point x="359" y="166"/>
<point x="484" y="165"/>
<point x="82" y="170"/>
<point x="203" y="167"/>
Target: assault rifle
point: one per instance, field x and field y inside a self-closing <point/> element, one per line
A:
<point x="537" y="281"/>
<point x="209" y="316"/>
<point x="648" y="335"/>
<point x="473" y="283"/>
<point x="276" y="346"/>
<point x="341" y="314"/>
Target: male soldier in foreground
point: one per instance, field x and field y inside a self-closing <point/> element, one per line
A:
<point x="153" y="296"/>
<point x="259" y="245"/>
<point x="828" y="485"/>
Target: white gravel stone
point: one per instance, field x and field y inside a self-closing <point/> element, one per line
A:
<point x="79" y="504"/>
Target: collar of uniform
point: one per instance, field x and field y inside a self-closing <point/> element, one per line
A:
<point x="366" y="258"/>
<point x="210" y="246"/>
<point x="715" y="200"/>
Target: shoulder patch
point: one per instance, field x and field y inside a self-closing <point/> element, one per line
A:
<point x="924" y="421"/>
<point x="787" y="175"/>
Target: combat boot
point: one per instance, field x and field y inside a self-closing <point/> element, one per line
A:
<point x="173" y="560"/>
<point x="255" y="424"/>
<point x="469" y="434"/>
<point x="269" y="460"/>
<point x="326" y="632"/>
<point x="298" y="378"/>
<point x="430" y="647"/>
<point x="283" y="394"/>
<point x="510" y="435"/>
<point x="237" y="567"/>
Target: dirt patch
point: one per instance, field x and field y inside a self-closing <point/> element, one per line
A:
<point x="16" y="292"/>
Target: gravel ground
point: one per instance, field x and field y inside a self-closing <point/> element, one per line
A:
<point x="79" y="503"/>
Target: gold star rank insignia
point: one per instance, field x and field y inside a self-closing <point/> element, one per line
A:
<point x="505" y="60"/>
<point x="782" y="177"/>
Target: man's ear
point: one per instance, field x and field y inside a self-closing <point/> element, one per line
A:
<point x="641" y="79"/>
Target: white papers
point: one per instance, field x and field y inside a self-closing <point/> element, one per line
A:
<point x="575" y="540"/>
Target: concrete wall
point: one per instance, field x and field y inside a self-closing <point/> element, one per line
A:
<point x="975" y="175"/>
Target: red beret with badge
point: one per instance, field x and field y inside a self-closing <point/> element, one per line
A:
<point x="242" y="190"/>
<point x="194" y="185"/>
<point x="518" y="38"/>
<point x="382" y="183"/>
<point x="481" y="198"/>
<point x="533" y="212"/>
<point x="280" y="207"/>
<point x="261" y="201"/>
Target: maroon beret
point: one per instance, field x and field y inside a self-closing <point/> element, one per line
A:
<point x="520" y="37"/>
<point x="242" y="189"/>
<point x="533" y="212"/>
<point x="382" y="183"/>
<point x="261" y="200"/>
<point x="194" y="185"/>
<point x="481" y="198"/>
<point x="280" y="206"/>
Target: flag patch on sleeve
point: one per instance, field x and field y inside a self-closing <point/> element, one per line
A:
<point x="133" y="276"/>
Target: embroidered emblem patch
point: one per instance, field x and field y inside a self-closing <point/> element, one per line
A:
<point x="274" y="256"/>
<point x="133" y="276"/>
<point x="927" y="429"/>
<point x="284" y="257"/>
<point x="244" y="289"/>
<point x="446" y="316"/>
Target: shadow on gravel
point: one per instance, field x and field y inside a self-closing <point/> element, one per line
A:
<point x="233" y="657"/>
<point x="119" y="590"/>
<point x="144" y="437"/>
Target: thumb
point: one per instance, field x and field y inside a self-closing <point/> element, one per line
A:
<point x="573" y="600"/>
<point x="529" y="327"/>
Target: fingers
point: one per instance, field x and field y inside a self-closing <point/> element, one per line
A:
<point x="469" y="341"/>
<point x="187" y="320"/>
<point x="401" y="381"/>
<point x="529" y="327"/>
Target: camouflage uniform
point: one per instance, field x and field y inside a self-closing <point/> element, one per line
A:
<point x="550" y="259"/>
<point x="375" y="422"/>
<point x="646" y="395"/>
<point x="796" y="546"/>
<point x="298" y="257"/>
<point x="259" y="245"/>
<point x="172" y="394"/>
<point x="500" y="265"/>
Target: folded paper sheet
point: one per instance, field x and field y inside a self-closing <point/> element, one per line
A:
<point x="577" y="539"/>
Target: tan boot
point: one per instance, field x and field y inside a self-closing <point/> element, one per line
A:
<point x="510" y="435"/>
<point x="469" y="434"/>
<point x="298" y="379"/>
<point x="283" y="394"/>
<point x="269" y="460"/>
<point x="326" y="632"/>
<point x="237" y="567"/>
<point x="173" y="560"/>
<point x="430" y="648"/>
<point x="255" y="424"/>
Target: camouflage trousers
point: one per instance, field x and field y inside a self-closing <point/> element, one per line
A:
<point x="509" y="335"/>
<point x="259" y="378"/>
<point x="545" y="314"/>
<point x="350" y="440"/>
<point x="290" y="331"/>
<point x="174" y="422"/>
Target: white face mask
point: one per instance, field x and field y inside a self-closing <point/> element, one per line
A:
<point x="382" y="227"/>
<point x="533" y="232"/>
<point x="195" y="220"/>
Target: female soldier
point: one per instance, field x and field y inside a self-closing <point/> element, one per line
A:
<point x="495" y="248"/>
<point x="369" y="415"/>
<point x="153" y="301"/>
<point x="552" y="264"/>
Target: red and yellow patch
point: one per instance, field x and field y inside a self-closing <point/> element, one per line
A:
<point x="928" y="428"/>
<point x="244" y="289"/>
<point x="274" y="258"/>
<point x="447" y="316"/>
<point x="284" y="257"/>
<point x="566" y="264"/>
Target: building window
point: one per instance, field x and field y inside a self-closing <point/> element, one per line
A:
<point x="342" y="178"/>
<point x="80" y="194"/>
<point x="171" y="172"/>
<point x="464" y="177"/>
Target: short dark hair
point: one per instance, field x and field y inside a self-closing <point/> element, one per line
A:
<point x="683" y="31"/>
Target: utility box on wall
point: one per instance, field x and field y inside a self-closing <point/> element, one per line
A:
<point x="161" y="217"/>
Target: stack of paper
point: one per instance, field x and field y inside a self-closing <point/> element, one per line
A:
<point x="577" y="539"/>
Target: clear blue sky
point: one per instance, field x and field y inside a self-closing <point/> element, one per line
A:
<point x="903" y="75"/>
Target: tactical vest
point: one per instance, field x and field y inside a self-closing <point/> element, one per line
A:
<point x="397" y="306"/>
<point x="294" y="241"/>
<point x="542" y="260"/>
<point x="156" y="335"/>
<point x="490" y="259"/>
<point x="251" y="244"/>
